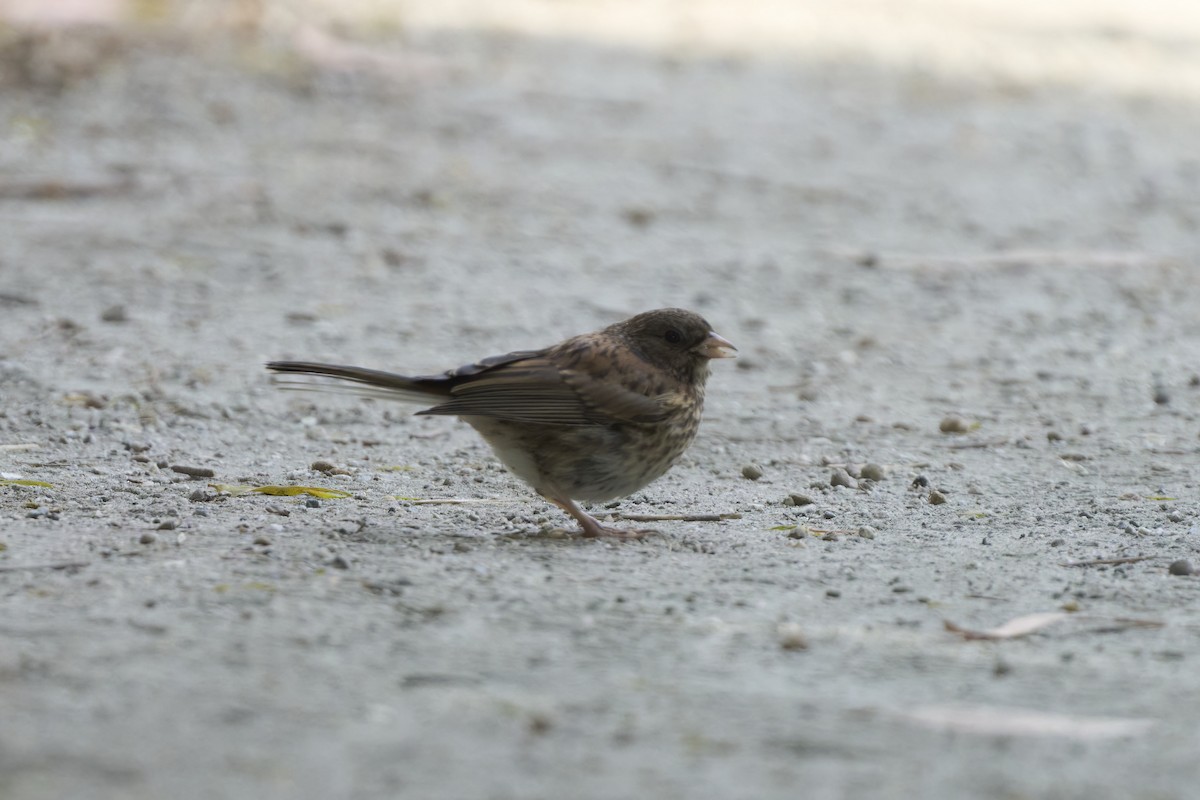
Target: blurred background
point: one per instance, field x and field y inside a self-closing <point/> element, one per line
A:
<point x="414" y="184"/>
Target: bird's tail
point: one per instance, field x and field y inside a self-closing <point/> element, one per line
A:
<point x="359" y="380"/>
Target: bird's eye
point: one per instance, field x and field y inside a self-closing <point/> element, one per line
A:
<point x="673" y="336"/>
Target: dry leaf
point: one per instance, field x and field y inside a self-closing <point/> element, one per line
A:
<point x="1023" y="626"/>
<point x="1014" y="628"/>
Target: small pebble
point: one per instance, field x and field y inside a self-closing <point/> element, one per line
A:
<point x="952" y="423"/>
<point x="312" y="502"/>
<point x="791" y="636"/>
<point x="1175" y="516"/>
<point x="262" y="541"/>
<point x="1053" y="436"/>
<point x="1161" y="397"/>
<point x="840" y="477"/>
<point x="339" y="563"/>
<point x="834" y="593"/>
<point x="796" y="499"/>
<point x="936" y="498"/>
<point x="752" y="472"/>
<point x="1058" y="542"/>
<point x="322" y="466"/>
<point x="873" y="472"/>
<point x="114" y="314"/>
<point x="279" y="510"/>
<point x="921" y="482"/>
<point x="638" y="217"/>
<point x="168" y="525"/>
<point x="149" y="537"/>
<point x="1181" y="567"/>
<point x="866" y="532"/>
<point x="201" y="496"/>
<point x="830" y="537"/>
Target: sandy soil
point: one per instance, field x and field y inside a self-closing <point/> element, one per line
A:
<point x="891" y="240"/>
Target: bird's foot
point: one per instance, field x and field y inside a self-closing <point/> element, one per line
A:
<point x="617" y="533"/>
<point x="590" y="527"/>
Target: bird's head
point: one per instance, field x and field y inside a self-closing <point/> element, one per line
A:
<point x="675" y="339"/>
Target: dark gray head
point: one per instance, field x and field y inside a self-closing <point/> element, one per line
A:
<point x="675" y="339"/>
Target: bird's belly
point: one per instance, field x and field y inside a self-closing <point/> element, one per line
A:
<point x="512" y="445"/>
<point x="592" y="463"/>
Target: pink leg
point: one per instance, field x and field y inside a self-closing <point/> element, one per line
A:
<point x="590" y="526"/>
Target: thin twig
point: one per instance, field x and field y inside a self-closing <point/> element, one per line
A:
<point x="673" y="517"/>
<point x="1105" y="562"/>
<point x="55" y="189"/>
<point x="56" y="565"/>
<point x="450" y="501"/>
<point x="977" y="445"/>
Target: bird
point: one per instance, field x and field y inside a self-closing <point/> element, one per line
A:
<point x="593" y="418"/>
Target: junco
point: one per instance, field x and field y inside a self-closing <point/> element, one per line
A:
<point x="593" y="418"/>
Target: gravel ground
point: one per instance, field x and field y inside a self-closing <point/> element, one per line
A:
<point x="967" y="295"/>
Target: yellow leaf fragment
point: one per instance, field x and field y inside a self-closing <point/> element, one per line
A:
<point x="293" y="491"/>
<point x="22" y="482"/>
<point x="279" y="491"/>
<point x="231" y="488"/>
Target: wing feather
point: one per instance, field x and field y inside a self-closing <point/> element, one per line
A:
<point x="528" y="389"/>
<point x="524" y="386"/>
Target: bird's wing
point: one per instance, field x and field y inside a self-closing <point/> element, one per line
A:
<point x="616" y="401"/>
<point x="530" y="387"/>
